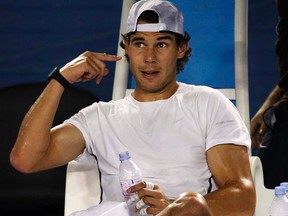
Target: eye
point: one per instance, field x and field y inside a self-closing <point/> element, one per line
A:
<point x="162" y="45"/>
<point x="138" y="44"/>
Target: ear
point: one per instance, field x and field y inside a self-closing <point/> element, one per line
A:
<point x="126" y="43"/>
<point x="182" y="50"/>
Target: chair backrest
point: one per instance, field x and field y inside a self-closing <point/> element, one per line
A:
<point x="40" y="193"/>
<point x="264" y="196"/>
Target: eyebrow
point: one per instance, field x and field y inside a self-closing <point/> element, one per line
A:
<point x="139" y="38"/>
<point x="167" y="37"/>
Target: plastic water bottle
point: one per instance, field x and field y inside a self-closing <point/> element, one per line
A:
<point x="285" y="184"/>
<point x="129" y="174"/>
<point x="279" y="206"/>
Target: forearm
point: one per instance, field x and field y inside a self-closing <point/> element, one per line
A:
<point x="232" y="200"/>
<point x="227" y="201"/>
<point x="273" y="97"/>
<point x="33" y="139"/>
<point x="187" y="204"/>
<point x="38" y="148"/>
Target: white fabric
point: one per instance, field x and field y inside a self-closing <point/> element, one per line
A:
<point x="167" y="139"/>
<point x="107" y="209"/>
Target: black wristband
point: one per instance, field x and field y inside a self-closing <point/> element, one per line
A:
<point x="55" y="74"/>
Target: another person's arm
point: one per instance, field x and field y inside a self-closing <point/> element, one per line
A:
<point x="38" y="147"/>
<point x="257" y="128"/>
<point x="257" y="125"/>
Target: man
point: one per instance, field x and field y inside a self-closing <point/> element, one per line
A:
<point x="189" y="141"/>
<point x="272" y="135"/>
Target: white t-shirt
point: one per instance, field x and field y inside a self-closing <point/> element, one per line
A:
<point x="167" y="139"/>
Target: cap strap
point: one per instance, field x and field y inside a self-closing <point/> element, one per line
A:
<point x="151" y="27"/>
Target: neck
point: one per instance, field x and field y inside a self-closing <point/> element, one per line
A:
<point x="146" y="96"/>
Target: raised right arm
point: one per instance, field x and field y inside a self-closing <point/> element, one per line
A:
<point x="40" y="147"/>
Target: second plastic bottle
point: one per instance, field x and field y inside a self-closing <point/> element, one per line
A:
<point x="279" y="206"/>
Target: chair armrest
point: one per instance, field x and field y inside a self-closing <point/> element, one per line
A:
<point x="264" y="196"/>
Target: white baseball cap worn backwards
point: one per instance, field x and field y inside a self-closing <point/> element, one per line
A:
<point x="170" y="17"/>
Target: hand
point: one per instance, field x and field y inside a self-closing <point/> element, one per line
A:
<point x="190" y="203"/>
<point x="153" y="197"/>
<point x="257" y="129"/>
<point x="88" y="66"/>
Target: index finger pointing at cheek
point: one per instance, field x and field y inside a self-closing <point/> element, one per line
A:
<point x="108" y="57"/>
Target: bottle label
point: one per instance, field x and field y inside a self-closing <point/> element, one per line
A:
<point x="125" y="184"/>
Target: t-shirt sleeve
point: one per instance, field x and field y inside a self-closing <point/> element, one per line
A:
<point x="81" y="121"/>
<point x="224" y="124"/>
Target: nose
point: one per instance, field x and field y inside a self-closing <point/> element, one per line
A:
<point x="150" y="56"/>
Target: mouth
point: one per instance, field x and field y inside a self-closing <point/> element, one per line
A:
<point x="149" y="72"/>
<point x="150" y="75"/>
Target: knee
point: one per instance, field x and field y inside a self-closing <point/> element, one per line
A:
<point x="193" y="204"/>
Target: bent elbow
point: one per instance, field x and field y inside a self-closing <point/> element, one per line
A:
<point x="253" y="200"/>
<point x="250" y="196"/>
<point x="19" y="163"/>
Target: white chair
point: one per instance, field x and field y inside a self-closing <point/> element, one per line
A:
<point x="264" y="196"/>
<point x="83" y="187"/>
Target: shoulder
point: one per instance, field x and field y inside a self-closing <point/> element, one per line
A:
<point x="204" y="99"/>
<point x="102" y="108"/>
<point x="202" y="93"/>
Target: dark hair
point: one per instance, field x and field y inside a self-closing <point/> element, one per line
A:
<point x="152" y="17"/>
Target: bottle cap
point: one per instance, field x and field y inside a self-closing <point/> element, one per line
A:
<point x="285" y="184"/>
<point x="279" y="190"/>
<point x="124" y="156"/>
